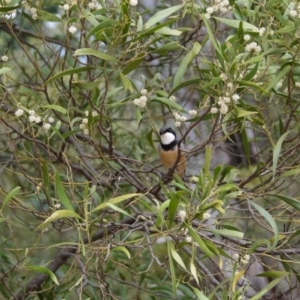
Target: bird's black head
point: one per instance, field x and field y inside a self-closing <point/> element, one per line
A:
<point x="167" y="136"/>
<point x="167" y="129"/>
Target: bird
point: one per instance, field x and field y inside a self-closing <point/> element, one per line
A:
<point x="168" y="151"/>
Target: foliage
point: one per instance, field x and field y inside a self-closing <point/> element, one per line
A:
<point x="86" y="209"/>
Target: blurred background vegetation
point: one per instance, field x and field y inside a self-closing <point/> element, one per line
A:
<point x="86" y="209"/>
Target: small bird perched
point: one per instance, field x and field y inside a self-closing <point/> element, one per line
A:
<point x="168" y="151"/>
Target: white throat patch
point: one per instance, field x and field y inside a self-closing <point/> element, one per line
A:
<point x="167" y="138"/>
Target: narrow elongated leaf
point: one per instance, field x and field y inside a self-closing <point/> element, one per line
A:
<point x="278" y="77"/>
<point x="43" y="270"/>
<point x="273" y="274"/>
<point x="107" y="24"/>
<point x="199" y="294"/>
<point x="226" y="232"/>
<point x="185" y="83"/>
<point x="290" y="201"/>
<point x="267" y="288"/>
<point x="277" y="150"/>
<point x="185" y="63"/>
<point x="120" y="210"/>
<point x="46" y="16"/>
<point x="168" y="102"/>
<point x="126" y="82"/>
<point x="10" y="195"/>
<point x="55" y="107"/>
<point x="168" y="31"/>
<point x="134" y="63"/>
<point x="94" y="52"/>
<point x="115" y="200"/>
<point x="4" y="70"/>
<point x="69" y="72"/>
<point x="211" y="35"/>
<point x="176" y="256"/>
<point x="172" y="208"/>
<point x="288" y="28"/>
<point x="46" y="183"/>
<point x="62" y="194"/>
<point x="236" y="278"/>
<point x="59" y="214"/>
<point x="236" y="23"/>
<point x="194" y="272"/>
<point x="162" y="14"/>
<point x="167" y="48"/>
<point x="161" y="209"/>
<point x="270" y="220"/>
<point x="172" y="269"/>
<point x="9" y="8"/>
<point x="122" y="249"/>
<point x="199" y="241"/>
<point x="242" y="113"/>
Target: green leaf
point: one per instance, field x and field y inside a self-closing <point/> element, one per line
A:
<point x="4" y="70"/>
<point x="267" y="288"/>
<point x="230" y="233"/>
<point x="276" y="151"/>
<point x="199" y="294"/>
<point x="207" y="161"/>
<point x="176" y="256"/>
<point x="173" y="207"/>
<point x="126" y="82"/>
<point x="184" y="84"/>
<point x="279" y="76"/>
<point x="120" y="210"/>
<point x="59" y="214"/>
<point x="162" y="14"/>
<point x="69" y="72"/>
<point x="211" y="36"/>
<point x="69" y="133"/>
<point x="122" y="249"/>
<point x="242" y="113"/>
<point x="107" y="24"/>
<point x="295" y="71"/>
<point x="133" y="63"/>
<point x="167" y="102"/>
<point x="246" y="143"/>
<point x="290" y="201"/>
<point x="138" y="115"/>
<point x="270" y="220"/>
<point x="251" y="84"/>
<point x="185" y="62"/>
<point x="55" y="107"/>
<point x="273" y="274"/>
<point x="9" y="8"/>
<point x="46" y="16"/>
<point x="86" y="85"/>
<point x="288" y="28"/>
<point x="116" y="200"/>
<point x="194" y="272"/>
<point x="236" y="23"/>
<point x="168" y="31"/>
<point x="46" y="184"/>
<point x="161" y="209"/>
<point x="167" y="48"/>
<point x="62" y="194"/>
<point x="199" y="241"/>
<point x="43" y="270"/>
<point x="172" y="269"/>
<point x="10" y="195"/>
<point x="94" y="52"/>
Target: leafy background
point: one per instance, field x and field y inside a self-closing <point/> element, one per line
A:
<point x="86" y="208"/>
